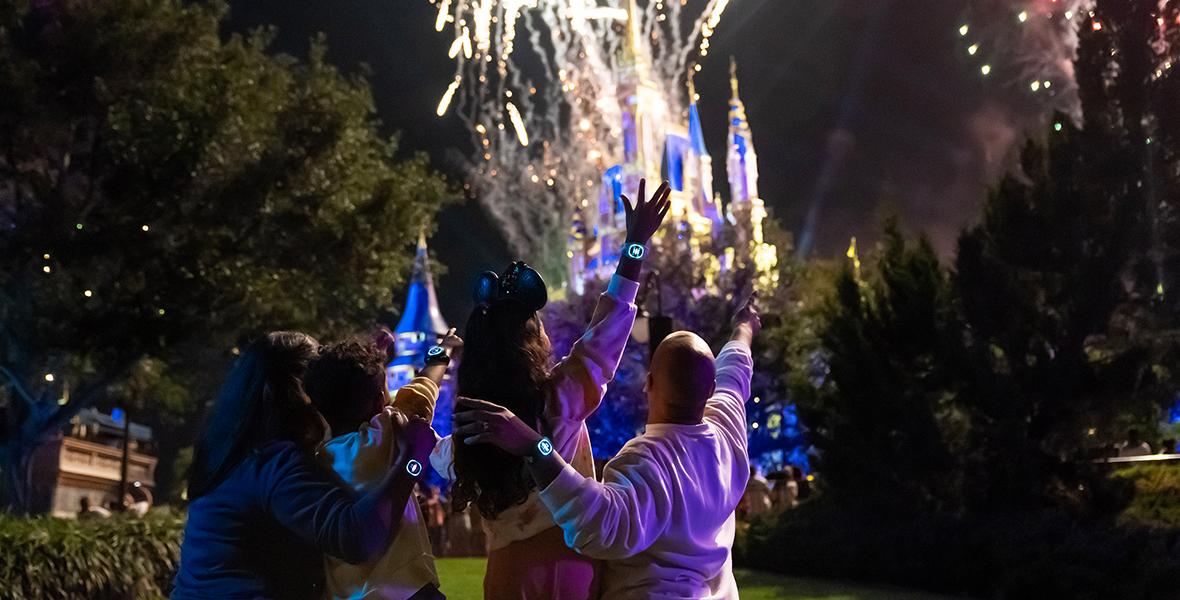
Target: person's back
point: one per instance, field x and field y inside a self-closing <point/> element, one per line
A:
<point x="235" y="544"/>
<point x="704" y="473"/>
<point x="662" y="520"/>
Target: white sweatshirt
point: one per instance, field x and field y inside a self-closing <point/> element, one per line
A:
<point x="362" y="459"/>
<point x="578" y="384"/>
<point x="663" y="517"/>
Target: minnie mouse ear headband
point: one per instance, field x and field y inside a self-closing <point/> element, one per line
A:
<point x="519" y="282"/>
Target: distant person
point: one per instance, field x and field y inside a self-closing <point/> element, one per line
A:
<point x="138" y="507"/>
<point x="756" y="498"/>
<point x="802" y="482"/>
<point x="507" y="360"/>
<point x="784" y="493"/>
<point x="262" y="510"/>
<point x="663" y="518"/>
<point x="1168" y="446"/>
<point x="91" y="513"/>
<point x="436" y="519"/>
<point x="1134" y="446"/>
<point x="346" y="383"/>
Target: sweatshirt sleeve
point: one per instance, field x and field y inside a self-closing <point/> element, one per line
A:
<point x="311" y="501"/>
<point x="727" y="408"/>
<point x="442" y="458"/>
<point x="580" y="379"/>
<point x="620" y="517"/>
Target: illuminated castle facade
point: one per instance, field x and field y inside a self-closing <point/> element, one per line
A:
<point x="656" y="147"/>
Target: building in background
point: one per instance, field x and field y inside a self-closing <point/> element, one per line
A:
<point x="421" y="325"/>
<point x="660" y="146"/>
<point x="87" y="462"/>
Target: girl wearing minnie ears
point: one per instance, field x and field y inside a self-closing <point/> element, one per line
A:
<point x="506" y="358"/>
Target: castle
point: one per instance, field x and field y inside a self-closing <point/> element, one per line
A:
<point x="657" y="147"/>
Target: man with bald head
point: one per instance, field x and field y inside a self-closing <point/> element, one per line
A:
<point x="663" y="517"/>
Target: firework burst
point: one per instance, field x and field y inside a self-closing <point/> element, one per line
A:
<point x="538" y="84"/>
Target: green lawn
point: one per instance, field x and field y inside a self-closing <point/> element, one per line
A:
<point x="462" y="579"/>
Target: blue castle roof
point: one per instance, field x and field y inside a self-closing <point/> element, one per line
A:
<point x="421" y="314"/>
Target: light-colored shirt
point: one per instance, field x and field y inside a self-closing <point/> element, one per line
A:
<point x="662" y="518"/>
<point x="577" y="385"/>
<point x="1140" y="449"/>
<point x="362" y="459"/>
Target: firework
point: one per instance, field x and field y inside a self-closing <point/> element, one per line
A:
<point x="538" y="85"/>
<point x="1028" y="46"/>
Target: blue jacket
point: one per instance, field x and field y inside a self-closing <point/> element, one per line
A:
<point x="262" y="533"/>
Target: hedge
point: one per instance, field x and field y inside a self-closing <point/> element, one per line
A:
<point x="121" y="558"/>
<point x="1157" y="495"/>
<point x="1042" y="557"/>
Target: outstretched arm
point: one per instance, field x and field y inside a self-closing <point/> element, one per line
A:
<point x="307" y="499"/>
<point x="580" y="379"/>
<point x="615" y="519"/>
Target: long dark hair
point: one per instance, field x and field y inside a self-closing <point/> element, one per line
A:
<point x="505" y="361"/>
<point x="262" y="402"/>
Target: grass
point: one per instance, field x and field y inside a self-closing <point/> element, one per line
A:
<point x="462" y="579"/>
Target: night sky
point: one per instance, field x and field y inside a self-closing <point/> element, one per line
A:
<point x="860" y="110"/>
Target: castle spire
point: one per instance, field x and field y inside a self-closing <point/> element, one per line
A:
<point x="741" y="162"/>
<point x="733" y="80"/>
<point x="421" y="324"/>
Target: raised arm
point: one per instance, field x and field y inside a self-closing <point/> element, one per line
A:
<point x="735" y="367"/>
<point x="310" y="500"/>
<point x="580" y="379"/>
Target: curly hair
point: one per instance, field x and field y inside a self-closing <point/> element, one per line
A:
<point x="344" y="383"/>
<point x="506" y="359"/>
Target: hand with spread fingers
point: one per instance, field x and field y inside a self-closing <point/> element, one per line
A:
<point x="481" y="422"/>
<point x="644" y="218"/>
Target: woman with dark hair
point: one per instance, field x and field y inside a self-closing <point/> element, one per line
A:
<point x="506" y="358"/>
<point x="262" y="510"/>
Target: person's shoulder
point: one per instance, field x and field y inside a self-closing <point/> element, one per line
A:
<point x="278" y="456"/>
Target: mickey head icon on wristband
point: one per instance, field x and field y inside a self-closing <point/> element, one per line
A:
<point x="413" y="468"/>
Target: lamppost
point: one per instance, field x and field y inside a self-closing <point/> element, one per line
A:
<point x="647" y="328"/>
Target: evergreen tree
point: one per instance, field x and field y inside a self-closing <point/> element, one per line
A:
<point x="882" y="419"/>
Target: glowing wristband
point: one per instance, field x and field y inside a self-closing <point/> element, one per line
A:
<point x="635" y="251"/>
<point x="414" y="468"/>
<point x="437" y="355"/>
<point x="544" y="448"/>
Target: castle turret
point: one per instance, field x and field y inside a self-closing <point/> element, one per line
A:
<point x="746" y="209"/>
<point x="421" y="325"/>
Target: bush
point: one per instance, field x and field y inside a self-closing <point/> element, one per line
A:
<point x="1040" y="557"/>
<point x="1157" y="495"/>
<point x="121" y="558"/>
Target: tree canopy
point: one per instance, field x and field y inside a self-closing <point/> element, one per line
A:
<point x="166" y="190"/>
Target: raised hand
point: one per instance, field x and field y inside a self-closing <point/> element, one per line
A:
<point x="746" y="321"/>
<point x="451" y="342"/>
<point x="479" y="422"/>
<point x="644" y="218"/>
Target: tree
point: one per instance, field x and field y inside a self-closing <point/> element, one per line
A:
<point x="166" y="194"/>
<point x="880" y="416"/>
